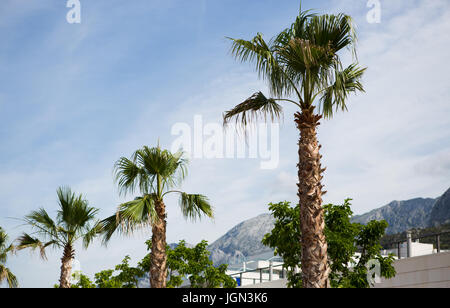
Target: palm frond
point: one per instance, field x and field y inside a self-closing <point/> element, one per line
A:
<point x="3" y="238"/>
<point x="27" y="241"/>
<point x="194" y="206"/>
<point x="91" y="233"/>
<point x="130" y="216"/>
<point x="5" y="249"/>
<point x="345" y="82"/>
<point x="335" y="31"/>
<point x="6" y="274"/>
<point x="127" y="174"/>
<point x="266" y="62"/>
<point x="74" y="214"/>
<point x="41" y="220"/>
<point x="252" y="108"/>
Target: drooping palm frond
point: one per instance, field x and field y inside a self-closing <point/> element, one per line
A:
<point x="252" y="108"/>
<point x="130" y="216"/>
<point x="128" y="175"/>
<point x="6" y="274"/>
<point x="91" y="233"/>
<point x="41" y="221"/>
<point x="27" y="241"/>
<point x="194" y="206"/>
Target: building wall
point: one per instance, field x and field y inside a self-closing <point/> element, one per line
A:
<point x="431" y="271"/>
<point x="417" y="249"/>
<point x="277" y="284"/>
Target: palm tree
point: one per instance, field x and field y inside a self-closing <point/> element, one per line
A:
<point x="75" y="220"/>
<point x="303" y="67"/>
<point x="5" y="249"/>
<point x="155" y="172"/>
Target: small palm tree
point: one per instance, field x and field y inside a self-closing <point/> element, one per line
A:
<point x="75" y="220"/>
<point x="302" y="66"/>
<point x="5" y="249"/>
<point x="155" y="172"/>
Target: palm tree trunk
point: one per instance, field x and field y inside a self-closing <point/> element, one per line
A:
<point x="158" y="254"/>
<point x="314" y="264"/>
<point x="66" y="267"/>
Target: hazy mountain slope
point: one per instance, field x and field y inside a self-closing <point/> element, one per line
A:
<point x="242" y="241"/>
<point x="440" y="214"/>
<point x="401" y="215"/>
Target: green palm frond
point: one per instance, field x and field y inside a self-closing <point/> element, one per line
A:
<point x="11" y="279"/>
<point x="27" y="241"/>
<point x="74" y="212"/>
<point x="252" y="108"/>
<point x="266" y="62"/>
<point x="130" y="216"/>
<point x="334" y="31"/>
<point x="3" y="246"/>
<point x="194" y="206"/>
<point x="92" y="233"/>
<point x="345" y="82"/>
<point x="3" y="238"/>
<point x="128" y="175"/>
<point x="41" y="220"/>
<point x="5" y="249"/>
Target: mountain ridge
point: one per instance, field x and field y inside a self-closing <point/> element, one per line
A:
<point x="244" y="239"/>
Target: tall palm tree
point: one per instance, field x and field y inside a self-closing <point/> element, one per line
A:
<point x="303" y="67"/>
<point x="75" y="220"/>
<point x="5" y="249"/>
<point x="155" y="172"/>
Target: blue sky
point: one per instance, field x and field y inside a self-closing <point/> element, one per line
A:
<point x="76" y="97"/>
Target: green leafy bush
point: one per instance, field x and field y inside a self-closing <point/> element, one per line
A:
<point x="352" y="247"/>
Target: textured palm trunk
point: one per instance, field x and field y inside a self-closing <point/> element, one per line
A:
<point x="158" y="256"/>
<point x="66" y="267"/>
<point x="315" y="269"/>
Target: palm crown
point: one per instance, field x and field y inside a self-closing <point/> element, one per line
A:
<point x="303" y="62"/>
<point x="5" y="249"/>
<point x="155" y="172"/>
<point x="75" y="220"/>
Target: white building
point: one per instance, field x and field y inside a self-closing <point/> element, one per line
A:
<point x="270" y="273"/>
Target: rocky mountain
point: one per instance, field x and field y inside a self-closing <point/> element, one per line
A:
<point x="242" y="241"/>
<point x="401" y="215"/>
<point x="440" y="214"/>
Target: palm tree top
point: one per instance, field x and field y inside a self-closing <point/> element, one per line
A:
<point x="301" y="65"/>
<point x="151" y="170"/>
<point x="155" y="173"/>
<point x="75" y="220"/>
